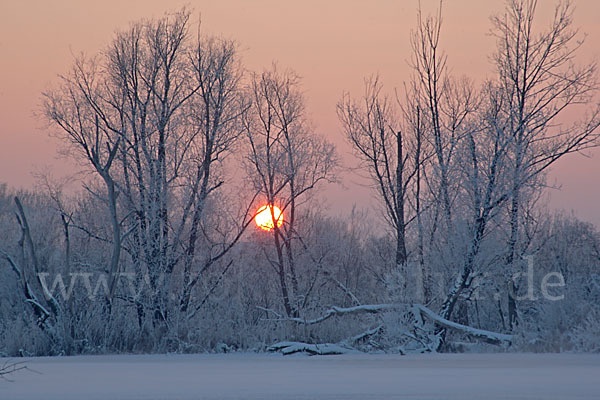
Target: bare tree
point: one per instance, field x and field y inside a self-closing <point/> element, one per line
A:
<point x="70" y="107"/>
<point x="443" y="103"/>
<point x="469" y="146"/>
<point x="542" y="82"/>
<point x="147" y="86"/>
<point x="156" y="115"/>
<point x="285" y="163"/>
<point x="484" y="158"/>
<point x="440" y="107"/>
<point x="391" y="156"/>
<point x="215" y="114"/>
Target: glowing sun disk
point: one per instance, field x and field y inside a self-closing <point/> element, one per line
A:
<point x="267" y="216"/>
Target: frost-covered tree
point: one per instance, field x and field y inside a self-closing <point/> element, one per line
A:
<point x="286" y="161"/>
<point x="392" y="156"/>
<point x="542" y="80"/>
<point x="155" y="115"/>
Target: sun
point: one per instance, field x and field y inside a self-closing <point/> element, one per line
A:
<point x="267" y="215"/>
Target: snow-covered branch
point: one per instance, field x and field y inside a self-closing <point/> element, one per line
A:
<point x="487" y="336"/>
<point x="367" y="308"/>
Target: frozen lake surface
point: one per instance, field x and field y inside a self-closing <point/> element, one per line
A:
<point x="271" y="376"/>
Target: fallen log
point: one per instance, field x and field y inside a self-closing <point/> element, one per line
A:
<point x="482" y="334"/>
<point x="287" y="348"/>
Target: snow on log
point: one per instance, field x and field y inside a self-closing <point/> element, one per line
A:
<point x="487" y="336"/>
<point x="287" y="348"/>
<point x="367" y="308"/>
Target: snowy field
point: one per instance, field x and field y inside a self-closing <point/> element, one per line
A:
<point x="251" y="376"/>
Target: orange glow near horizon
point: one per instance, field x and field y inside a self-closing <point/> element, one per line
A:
<point x="267" y="216"/>
<point x="331" y="44"/>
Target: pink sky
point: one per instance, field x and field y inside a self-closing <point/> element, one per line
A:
<point x="332" y="44"/>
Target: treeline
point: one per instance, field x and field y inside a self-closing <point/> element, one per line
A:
<point x="180" y="145"/>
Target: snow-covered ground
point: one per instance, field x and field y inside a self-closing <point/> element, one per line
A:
<point x="264" y="376"/>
